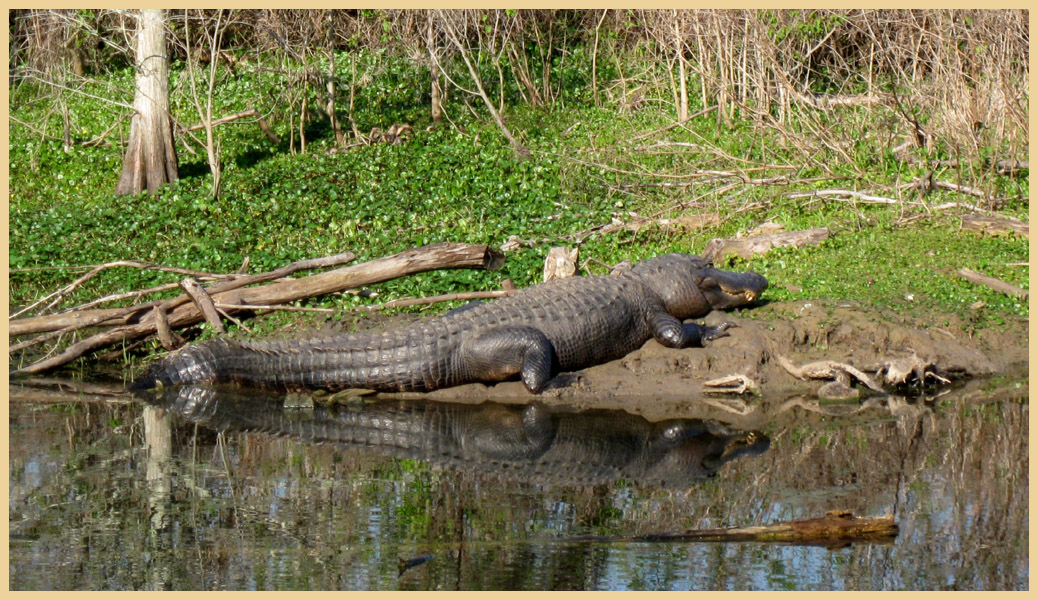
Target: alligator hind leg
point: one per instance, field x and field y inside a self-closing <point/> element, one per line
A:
<point x="507" y="351"/>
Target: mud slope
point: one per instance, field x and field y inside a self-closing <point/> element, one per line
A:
<point x="658" y="382"/>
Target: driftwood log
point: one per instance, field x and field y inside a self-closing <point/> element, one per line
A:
<point x="834" y="529"/>
<point x="995" y="225"/>
<point x="182" y="312"/>
<point x="719" y="249"/>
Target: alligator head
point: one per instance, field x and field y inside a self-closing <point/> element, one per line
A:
<point x="725" y="289"/>
<point x="689" y="450"/>
<point x="690" y="286"/>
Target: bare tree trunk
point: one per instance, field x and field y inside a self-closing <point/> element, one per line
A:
<point x="151" y="159"/>
<point x="340" y="139"/>
<point x="436" y="106"/>
<point x="330" y="108"/>
<point x="680" y="54"/>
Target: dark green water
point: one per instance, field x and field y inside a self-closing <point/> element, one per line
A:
<point x="126" y="495"/>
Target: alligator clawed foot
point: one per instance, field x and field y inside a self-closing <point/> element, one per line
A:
<point x="712" y="332"/>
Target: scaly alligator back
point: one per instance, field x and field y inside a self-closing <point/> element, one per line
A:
<point x="559" y="325"/>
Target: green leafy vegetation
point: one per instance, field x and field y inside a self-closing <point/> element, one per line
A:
<point x="593" y="162"/>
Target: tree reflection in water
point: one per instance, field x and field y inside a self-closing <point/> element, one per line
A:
<point x="100" y="501"/>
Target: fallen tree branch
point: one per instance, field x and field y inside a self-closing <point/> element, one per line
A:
<point x="99" y="317"/>
<point x="437" y="256"/>
<point x="719" y="249"/>
<point x="94" y="270"/>
<point x="996" y="284"/>
<point x="124" y="295"/>
<point x="962" y="189"/>
<point x="835" y="528"/>
<point x="844" y="194"/>
<point x="271" y="307"/>
<point x="995" y="225"/>
<point x="80" y="319"/>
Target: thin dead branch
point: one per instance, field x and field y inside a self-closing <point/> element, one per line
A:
<point x="269" y="307"/>
<point x="400" y="302"/>
<point x="58" y="295"/>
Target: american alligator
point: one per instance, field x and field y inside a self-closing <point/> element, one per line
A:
<point x="530" y="443"/>
<point x="560" y="325"/>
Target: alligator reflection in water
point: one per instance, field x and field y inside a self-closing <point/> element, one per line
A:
<point x="527" y="442"/>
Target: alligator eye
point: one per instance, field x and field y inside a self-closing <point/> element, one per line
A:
<point x="674" y="432"/>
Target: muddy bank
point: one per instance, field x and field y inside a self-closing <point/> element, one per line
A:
<point x="769" y="346"/>
<point x="659" y="382"/>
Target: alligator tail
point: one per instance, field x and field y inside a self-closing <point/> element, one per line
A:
<point x="194" y="364"/>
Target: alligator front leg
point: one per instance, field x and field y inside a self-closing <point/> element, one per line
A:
<point x="506" y="351"/>
<point x="672" y="333"/>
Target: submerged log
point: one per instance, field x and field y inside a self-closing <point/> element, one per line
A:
<point x="835" y="528"/>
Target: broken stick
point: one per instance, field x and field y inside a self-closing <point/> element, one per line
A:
<point x="203" y="302"/>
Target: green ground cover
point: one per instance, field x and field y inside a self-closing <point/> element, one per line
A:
<point x="465" y="184"/>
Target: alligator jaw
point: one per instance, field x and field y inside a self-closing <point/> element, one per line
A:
<point x="724" y="289"/>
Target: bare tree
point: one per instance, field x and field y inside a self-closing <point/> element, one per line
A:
<point x="205" y="113"/>
<point x="453" y="34"/>
<point x="436" y="104"/>
<point x="150" y="160"/>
